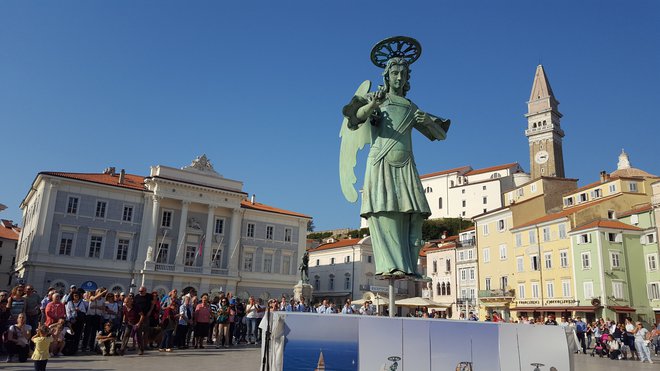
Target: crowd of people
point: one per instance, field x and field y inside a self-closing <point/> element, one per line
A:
<point x="113" y="323"/>
<point x="106" y="323"/>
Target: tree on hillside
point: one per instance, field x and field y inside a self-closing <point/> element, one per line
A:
<point x="433" y="228"/>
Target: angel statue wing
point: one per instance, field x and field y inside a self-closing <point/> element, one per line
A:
<point x="352" y="141"/>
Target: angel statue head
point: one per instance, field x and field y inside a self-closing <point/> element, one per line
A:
<point x="396" y="75"/>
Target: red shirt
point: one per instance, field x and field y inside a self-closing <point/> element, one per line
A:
<point x="54" y="311"/>
<point x="203" y="313"/>
<point x="131" y="315"/>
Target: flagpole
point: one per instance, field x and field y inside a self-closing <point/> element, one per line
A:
<point x="235" y="247"/>
<point x="215" y="255"/>
<point x="159" y="246"/>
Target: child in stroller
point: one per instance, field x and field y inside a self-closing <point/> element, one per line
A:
<point x="600" y="348"/>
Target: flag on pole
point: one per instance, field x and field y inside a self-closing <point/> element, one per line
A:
<point x="199" y="249"/>
<point x="201" y="246"/>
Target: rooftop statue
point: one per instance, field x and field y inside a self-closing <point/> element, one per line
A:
<point x="393" y="200"/>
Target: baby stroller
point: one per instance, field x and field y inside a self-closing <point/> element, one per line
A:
<point x="600" y="348"/>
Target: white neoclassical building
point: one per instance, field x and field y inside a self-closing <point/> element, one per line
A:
<point x="441" y="268"/>
<point x="466" y="192"/>
<point x="176" y="228"/>
<point x="344" y="269"/>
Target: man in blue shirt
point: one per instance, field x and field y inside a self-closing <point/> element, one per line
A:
<point x="580" y="331"/>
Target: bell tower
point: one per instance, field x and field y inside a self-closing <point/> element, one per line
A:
<point x="546" y="157"/>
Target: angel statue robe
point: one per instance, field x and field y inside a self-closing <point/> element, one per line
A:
<point x="393" y="200"/>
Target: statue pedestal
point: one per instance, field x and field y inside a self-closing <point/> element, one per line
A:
<point x="304" y="290"/>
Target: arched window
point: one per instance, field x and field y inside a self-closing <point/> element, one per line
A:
<point x="448" y="288"/>
<point x="438" y="288"/>
<point x="443" y="288"/>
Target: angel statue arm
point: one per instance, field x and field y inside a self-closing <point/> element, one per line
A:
<point x="362" y="106"/>
<point x="433" y="127"/>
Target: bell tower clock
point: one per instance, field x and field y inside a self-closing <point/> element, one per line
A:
<point x="543" y="129"/>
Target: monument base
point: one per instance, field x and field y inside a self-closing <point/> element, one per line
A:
<point x="303" y="290"/>
<point x="355" y="343"/>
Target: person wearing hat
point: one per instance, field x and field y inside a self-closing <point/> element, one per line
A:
<point x="68" y="296"/>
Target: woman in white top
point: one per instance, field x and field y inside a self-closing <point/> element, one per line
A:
<point x="18" y="339"/>
<point x="111" y="311"/>
<point x="252" y="317"/>
<point x="642" y="340"/>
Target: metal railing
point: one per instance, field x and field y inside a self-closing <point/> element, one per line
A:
<point x="497" y="293"/>
<point x="192" y="269"/>
<point x="164" y="267"/>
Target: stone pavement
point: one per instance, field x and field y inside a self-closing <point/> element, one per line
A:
<point x="244" y="358"/>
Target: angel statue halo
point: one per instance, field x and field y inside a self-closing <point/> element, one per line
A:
<point x="396" y="47"/>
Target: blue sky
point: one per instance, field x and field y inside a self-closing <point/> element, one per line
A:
<point x="259" y="87"/>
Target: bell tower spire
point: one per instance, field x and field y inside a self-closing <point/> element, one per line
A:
<point x="543" y="129"/>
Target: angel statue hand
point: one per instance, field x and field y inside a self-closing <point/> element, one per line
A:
<point x="421" y="117"/>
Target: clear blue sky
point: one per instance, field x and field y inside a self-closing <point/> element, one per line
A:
<point x="259" y="86"/>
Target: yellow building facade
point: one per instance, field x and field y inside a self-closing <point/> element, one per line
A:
<point x="495" y="262"/>
<point x="543" y="271"/>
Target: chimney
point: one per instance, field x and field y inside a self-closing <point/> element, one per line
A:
<point x="122" y="176"/>
<point x="252" y="198"/>
<point x="109" y="171"/>
<point x="603" y="176"/>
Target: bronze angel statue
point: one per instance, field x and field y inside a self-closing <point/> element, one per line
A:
<point x="393" y="200"/>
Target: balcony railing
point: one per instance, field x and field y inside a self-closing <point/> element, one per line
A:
<point x="497" y="293"/>
<point x="219" y="271"/>
<point x="471" y="242"/>
<point x="192" y="269"/>
<point x="165" y="267"/>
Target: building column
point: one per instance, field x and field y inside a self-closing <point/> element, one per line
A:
<point x="234" y="241"/>
<point x="152" y="228"/>
<point x="207" y="254"/>
<point x="47" y="210"/>
<point x="183" y="227"/>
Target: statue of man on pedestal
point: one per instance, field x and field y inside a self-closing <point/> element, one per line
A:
<point x="304" y="268"/>
<point x="393" y="200"/>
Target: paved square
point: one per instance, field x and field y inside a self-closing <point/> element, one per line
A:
<point x="242" y="358"/>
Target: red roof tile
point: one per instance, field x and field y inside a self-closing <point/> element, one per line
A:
<point x="564" y="213"/>
<point x="261" y="207"/>
<point x="606" y="223"/>
<point x="455" y="170"/>
<point x="340" y="243"/>
<point x="10" y="233"/>
<point x="492" y="168"/>
<point x="136" y="182"/>
<point x="130" y="181"/>
<point x="641" y="209"/>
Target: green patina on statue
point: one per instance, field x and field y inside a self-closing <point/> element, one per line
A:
<point x="393" y="200"/>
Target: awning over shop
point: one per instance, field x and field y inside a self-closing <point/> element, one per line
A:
<point x="586" y="309"/>
<point x="622" y="308"/>
<point x="420" y="302"/>
<point x="556" y="309"/>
